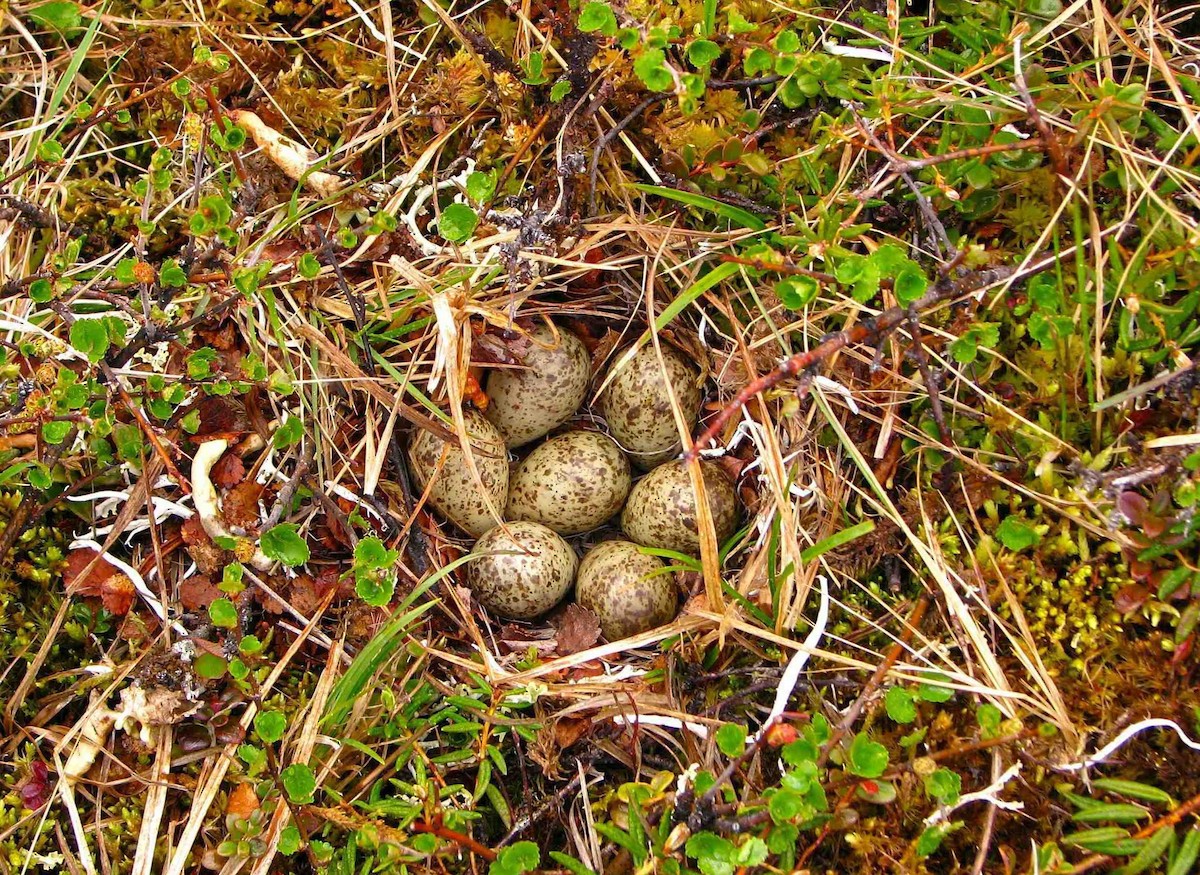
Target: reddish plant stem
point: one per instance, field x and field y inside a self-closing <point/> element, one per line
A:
<point x="868" y="329"/>
<point x="1166" y="821"/>
<point x="910" y="627"/>
<point x="461" y="839"/>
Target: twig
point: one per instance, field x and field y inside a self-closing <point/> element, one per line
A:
<point x="896" y="163"/>
<point x="611" y="135"/>
<point x="24" y="514"/>
<point x="868" y="329"/>
<point x="1167" y="820"/>
<point x="416" y="545"/>
<point x="911" y="624"/>
<point x="1047" y="136"/>
<point x="931" y="381"/>
<point x="358" y="306"/>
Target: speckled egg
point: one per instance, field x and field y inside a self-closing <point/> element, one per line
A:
<point x="528" y="403"/>
<point x="521" y="573"/>
<point x="661" y="511"/>
<point x="637" y="407"/>
<point x="455" y="494"/>
<point x="571" y="483"/>
<point x="627" y="590"/>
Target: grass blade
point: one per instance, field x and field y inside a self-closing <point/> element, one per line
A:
<point x="738" y="216"/>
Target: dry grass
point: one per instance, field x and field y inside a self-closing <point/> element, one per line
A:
<point x="814" y="467"/>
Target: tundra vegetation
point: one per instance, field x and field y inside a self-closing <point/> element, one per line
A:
<point x="935" y="267"/>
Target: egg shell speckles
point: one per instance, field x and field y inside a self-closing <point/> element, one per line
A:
<point x="528" y="403"/>
<point x="638" y="409"/>
<point x="455" y="493"/>
<point x="523" y="572"/>
<point x="661" y="511"/>
<point x="571" y="483"/>
<point x="615" y="584"/>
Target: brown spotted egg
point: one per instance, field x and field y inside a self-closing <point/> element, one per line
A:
<point x="661" y="511"/>
<point x="571" y="483"/>
<point x="523" y="570"/>
<point x="627" y="590"/>
<point x="638" y="409"/>
<point x="527" y="403"/>
<point x="455" y="493"/>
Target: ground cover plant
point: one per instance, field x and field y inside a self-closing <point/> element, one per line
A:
<point x="934" y="265"/>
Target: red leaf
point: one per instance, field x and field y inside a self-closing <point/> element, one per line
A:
<point x="35" y="790"/>
<point x="78" y="562"/>
<point x="240" y="505"/>
<point x="780" y="734"/>
<point x="576" y="628"/>
<point x="228" y="472"/>
<point x="197" y="592"/>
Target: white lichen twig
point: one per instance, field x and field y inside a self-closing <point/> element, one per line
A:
<point x="135" y="577"/>
<point x="987" y="794"/>
<point x="1127" y="733"/>
<point x="208" y="506"/>
<point x="791" y="675"/>
<point x="294" y="159"/>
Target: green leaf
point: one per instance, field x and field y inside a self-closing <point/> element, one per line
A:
<point x="223" y="614"/>
<point x="457" y="222"/>
<point x="284" y="544"/>
<point x="787" y="41"/>
<point x="200" y="362"/>
<point x="516" y="859"/>
<point x="51" y="152"/>
<point x="736" y="215"/>
<point x="598" y="17"/>
<point x="171" y="275"/>
<point x="758" y="60"/>
<point x="535" y="69"/>
<point x="944" y="786"/>
<point x="41" y="290"/>
<point x="376" y="589"/>
<point x="1116" y="812"/>
<point x="90" y="337"/>
<point x="838" y="539"/>
<point x="270" y="725"/>
<point x="371" y="552"/>
<point x="559" y="90"/>
<point x="299" y="782"/>
<point x="209" y="666"/>
<point x="308" y="266"/>
<point x="900" y="705"/>
<point x="571" y="864"/>
<point x="1134" y="790"/>
<point x="1185" y="857"/>
<point x="651" y="67"/>
<point x="1016" y="534"/>
<point x="55" y="432"/>
<point x="910" y="285"/>
<point x="289" y="840"/>
<point x="989" y="718"/>
<point x="61" y="15"/>
<point x="289" y="433"/>
<point x="1150" y="853"/>
<point x="936" y="690"/>
<point x="752" y="853"/>
<point x="731" y="739"/>
<point x="930" y="840"/>
<point x="703" y="52"/>
<point x="797" y="292"/>
<point x="866" y="758"/>
<point x="481" y="186"/>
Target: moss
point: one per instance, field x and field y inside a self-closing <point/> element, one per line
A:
<point x="1068" y="605"/>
